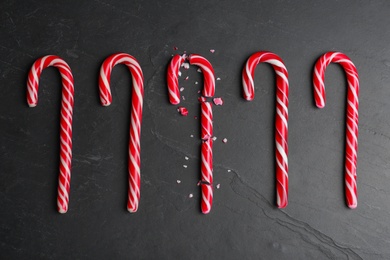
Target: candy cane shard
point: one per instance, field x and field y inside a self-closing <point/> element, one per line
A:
<point x="136" y="118"/>
<point x="65" y="122"/>
<point x="352" y="118"/>
<point x="206" y="119"/>
<point x="281" y="118"/>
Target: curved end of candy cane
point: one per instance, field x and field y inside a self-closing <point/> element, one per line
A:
<point x="282" y="206"/>
<point x="32" y="104"/>
<point x="320" y="105"/>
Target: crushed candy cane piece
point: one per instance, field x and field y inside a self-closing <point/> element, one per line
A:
<point x="199" y="70"/>
<point x="175" y="48"/>
<point x="218" y="186"/>
<point x="195" y="117"/>
<point x="181" y="89"/>
<point x="214" y="138"/>
<point x="212" y="50"/>
<point x="185" y="166"/>
<point x="183" y="111"/>
<point x="183" y="97"/>
<point x="187" y="78"/>
<point x="229" y="170"/>
<point x="224" y="140"/>
<point x="179" y="73"/>
<point x="196" y="83"/>
<point x="186" y="65"/>
<point x="218" y="78"/>
<point x="186" y="158"/>
<point x="218" y="101"/>
<point x="191" y="195"/>
<point x="198" y="91"/>
<point x="178" y="181"/>
<point x="192" y="136"/>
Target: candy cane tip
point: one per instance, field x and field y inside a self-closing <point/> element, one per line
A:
<point x="131" y="210"/>
<point x="32" y="104"/>
<point x="320" y="105"/>
<point x="353" y="206"/>
<point x="62" y="211"/>
<point x="206" y="211"/>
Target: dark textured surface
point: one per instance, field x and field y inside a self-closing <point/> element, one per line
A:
<point x="244" y="222"/>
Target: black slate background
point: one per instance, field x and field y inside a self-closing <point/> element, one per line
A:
<point x="244" y="222"/>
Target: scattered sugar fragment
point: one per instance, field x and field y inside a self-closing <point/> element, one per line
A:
<point x="178" y="181"/>
<point x="229" y="170"/>
<point x="212" y="50"/>
<point x="214" y="138"/>
<point x="218" y="78"/>
<point x="185" y="166"/>
<point x="191" y="195"/>
<point x="181" y="89"/>
<point x="199" y="70"/>
<point x="195" y="117"/>
<point x="175" y="48"/>
<point x="186" y="65"/>
<point x="186" y="158"/>
<point x="196" y="83"/>
<point x="187" y="78"/>
<point x="179" y="73"/>
<point x="183" y="111"/>
<point x="183" y="97"/>
<point x="224" y="140"/>
<point x="218" y="186"/>
<point x="218" y="101"/>
<point x="192" y="136"/>
<point x="198" y="91"/>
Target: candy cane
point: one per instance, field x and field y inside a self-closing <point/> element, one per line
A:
<point x="206" y="119"/>
<point x="281" y="120"/>
<point x="352" y="115"/>
<point x="136" y="118"/>
<point x="65" y="123"/>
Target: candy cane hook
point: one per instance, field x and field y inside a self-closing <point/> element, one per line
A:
<point x="136" y="118"/>
<point x="352" y="115"/>
<point x="65" y="122"/>
<point x="206" y="118"/>
<point x="281" y="120"/>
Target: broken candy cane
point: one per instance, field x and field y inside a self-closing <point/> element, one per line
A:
<point x="352" y="115"/>
<point x="206" y="118"/>
<point x="136" y="118"/>
<point x="281" y="120"/>
<point x="65" y="122"/>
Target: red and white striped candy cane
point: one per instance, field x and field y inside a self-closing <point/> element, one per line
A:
<point x="65" y="122"/>
<point x="206" y="118"/>
<point x="173" y="78"/>
<point x="281" y="119"/>
<point x="352" y="115"/>
<point x="136" y="118"/>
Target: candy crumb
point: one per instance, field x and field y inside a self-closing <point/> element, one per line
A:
<point x="191" y="195"/>
<point x="218" y="78"/>
<point x="181" y="89"/>
<point x="186" y="158"/>
<point x="229" y="170"/>
<point x="192" y="136"/>
<point x="186" y="65"/>
<point x="218" y="186"/>
<point x="178" y="181"/>
<point x="214" y="138"/>
<point x="175" y="48"/>
<point x="224" y="140"/>
<point x="196" y="83"/>
<point x="199" y="70"/>
<point x="183" y="111"/>
<point x="218" y="101"/>
<point x="183" y="97"/>
<point x="185" y="166"/>
<point x="187" y="78"/>
<point x="179" y="73"/>
<point x="212" y="50"/>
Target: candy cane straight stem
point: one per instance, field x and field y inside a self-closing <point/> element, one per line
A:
<point x="281" y="118"/>
<point x="65" y="122"/>
<point x="206" y="118"/>
<point x="136" y="118"/>
<point x="352" y="118"/>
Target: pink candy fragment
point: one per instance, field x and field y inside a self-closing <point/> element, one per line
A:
<point x="175" y="48"/>
<point x="183" y="111"/>
<point x="212" y="50"/>
<point x="218" y="101"/>
<point x="224" y="140"/>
